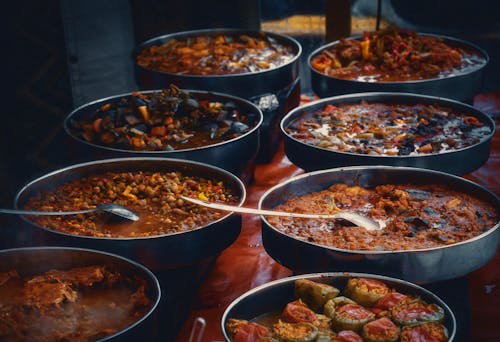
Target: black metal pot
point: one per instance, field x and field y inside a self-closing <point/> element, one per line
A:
<point x="273" y="296"/>
<point x="156" y="252"/>
<point x="31" y="261"/>
<point x="459" y="162"/>
<point x="235" y="155"/>
<point x="246" y="85"/>
<point x="421" y="265"/>
<point x="462" y="86"/>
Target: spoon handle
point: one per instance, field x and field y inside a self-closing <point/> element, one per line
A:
<point x="46" y="213"/>
<point x="237" y="209"/>
<point x="357" y="219"/>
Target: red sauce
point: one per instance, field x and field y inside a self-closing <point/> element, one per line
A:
<point x="355" y="311"/>
<point x="395" y="55"/>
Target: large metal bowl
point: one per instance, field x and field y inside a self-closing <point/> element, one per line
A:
<point x="461" y="86"/>
<point x="246" y="85"/>
<point x="273" y="296"/>
<point x="156" y="252"/>
<point x="274" y="91"/>
<point x="420" y="265"/>
<point x="459" y="162"/>
<point x="235" y="155"/>
<point x="32" y="261"/>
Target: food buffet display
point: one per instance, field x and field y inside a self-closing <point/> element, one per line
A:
<point x="260" y="66"/>
<point x="195" y="129"/>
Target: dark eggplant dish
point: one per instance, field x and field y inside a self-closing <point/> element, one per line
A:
<point x="77" y="304"/>
<point x="219" y="54"/>
<point x="153" y="195"/>
<point x="413" y="216"/>
<point x="166" y="120"/>
<point x="365" y="310"/>
<point x="395" y="55"/>
<point x="383" y="129"/>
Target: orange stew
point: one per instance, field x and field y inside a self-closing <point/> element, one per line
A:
<point x="220" y="54"/>
<point x="153" y="195"/>
<point x="78" y="304"/>
<point x="415" y="217"/>
<point x="395" y="55"/>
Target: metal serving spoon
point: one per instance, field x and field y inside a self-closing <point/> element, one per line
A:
<point x="358" y="219"/>
<point x="112" y="208"/>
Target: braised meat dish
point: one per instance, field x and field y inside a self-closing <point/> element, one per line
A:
<point x="78" y="304"/>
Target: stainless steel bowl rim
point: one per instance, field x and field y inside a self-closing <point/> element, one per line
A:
<point x="111" y="255"/>
<point x="200" y="32"/>
<point x="455" y="40"/>
<point x="131" y="159"/>
<point x="69" y="132"/>
<point x="372" y="252"/>
<point x="334" y="275"/>
<point x="367" y="96"/>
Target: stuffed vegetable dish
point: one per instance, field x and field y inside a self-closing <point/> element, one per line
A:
<point x="363" y="309"/>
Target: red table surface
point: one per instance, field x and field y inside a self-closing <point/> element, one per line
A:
<point x="245" y="264"/>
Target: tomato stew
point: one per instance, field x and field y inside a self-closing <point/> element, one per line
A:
<point x="395" y="55"/>
<point x="414" y="216"/>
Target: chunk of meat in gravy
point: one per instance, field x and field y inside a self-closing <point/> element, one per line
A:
<point x="82" y="276"/>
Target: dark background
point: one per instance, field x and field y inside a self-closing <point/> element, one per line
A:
<point x="60" y="54"/>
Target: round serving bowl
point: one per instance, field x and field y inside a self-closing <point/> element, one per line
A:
<point x="246" y="84"/>
<point x="37" y="260"/>
<point x="460" y="85"/>
<point x="168" y="251"/>
<point x="461" y="161"/>
<point x="235" y="154"/>
<point x="424" y="265"/>
<point x="273" y="296"/>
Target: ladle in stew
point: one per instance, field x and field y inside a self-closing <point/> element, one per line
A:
<point x="111" y="208"/>
<point x="355" y="218"/>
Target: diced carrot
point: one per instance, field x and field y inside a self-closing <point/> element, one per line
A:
<point x="96" y="125"/>
<point x="159" y="131"/>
